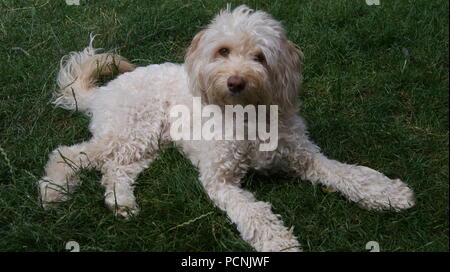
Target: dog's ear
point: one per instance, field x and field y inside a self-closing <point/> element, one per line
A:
<point x="296" y="55"/>
<point x="194" y="44"/>
<point x="287" y="76"/>
<point x="193" y="65"/>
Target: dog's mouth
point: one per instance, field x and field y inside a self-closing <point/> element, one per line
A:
<point x="236" y="89"/>
<point x="237" y="95"/>
<point x="243" y="98"/>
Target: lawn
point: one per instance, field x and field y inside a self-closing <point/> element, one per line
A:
<point x="375" y="93"/>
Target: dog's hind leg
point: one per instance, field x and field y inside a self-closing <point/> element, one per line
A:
<point x="369" y="188"/>
<point x="118" y="182"/>
<point x="62" y="167"/>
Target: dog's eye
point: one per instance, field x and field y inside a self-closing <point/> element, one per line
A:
<point x="224" y="52"/>
<point x="260" y="58"/>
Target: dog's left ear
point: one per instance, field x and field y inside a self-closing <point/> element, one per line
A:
<point x="296" y="55"/>
<point x="288" y="76"/>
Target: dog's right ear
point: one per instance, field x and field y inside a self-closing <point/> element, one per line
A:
<point x="194" y="44"/>
<point x="193" y="63"/>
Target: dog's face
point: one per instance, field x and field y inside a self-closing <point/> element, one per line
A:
<point x="244" y="57"/>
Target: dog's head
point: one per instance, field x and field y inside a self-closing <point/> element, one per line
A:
<point x="243" y="57"/>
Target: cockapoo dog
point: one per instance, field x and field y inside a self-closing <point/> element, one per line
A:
<point x="243" y="57"/>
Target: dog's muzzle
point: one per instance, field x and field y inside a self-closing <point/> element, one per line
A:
<point x="236" y="84"/>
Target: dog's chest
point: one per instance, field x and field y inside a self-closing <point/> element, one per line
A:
<point x="266" y="161"/>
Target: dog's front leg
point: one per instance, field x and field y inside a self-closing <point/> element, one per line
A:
<point x="258" y="225"/>
<point x="369" y="188"/>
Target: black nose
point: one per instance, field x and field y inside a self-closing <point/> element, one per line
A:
<point x="236" y="84"/>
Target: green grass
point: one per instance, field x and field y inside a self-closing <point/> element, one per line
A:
<point x="375" y="93"/>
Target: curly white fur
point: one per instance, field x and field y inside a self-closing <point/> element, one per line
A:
<point x="130" y="119"/>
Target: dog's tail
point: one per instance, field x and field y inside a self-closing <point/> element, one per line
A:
<point x="78" y="75"/>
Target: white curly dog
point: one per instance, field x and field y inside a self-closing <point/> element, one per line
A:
<point x="242" y="58"/>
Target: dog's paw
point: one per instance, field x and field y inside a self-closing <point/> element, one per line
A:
<point x="124" y="207"/>
<point x="378" y="192"/>
<point x="278" y="239"/>
<point x="280" y="246"/>
<point x="49" y="193"/>
<point x="126" y="212"/>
